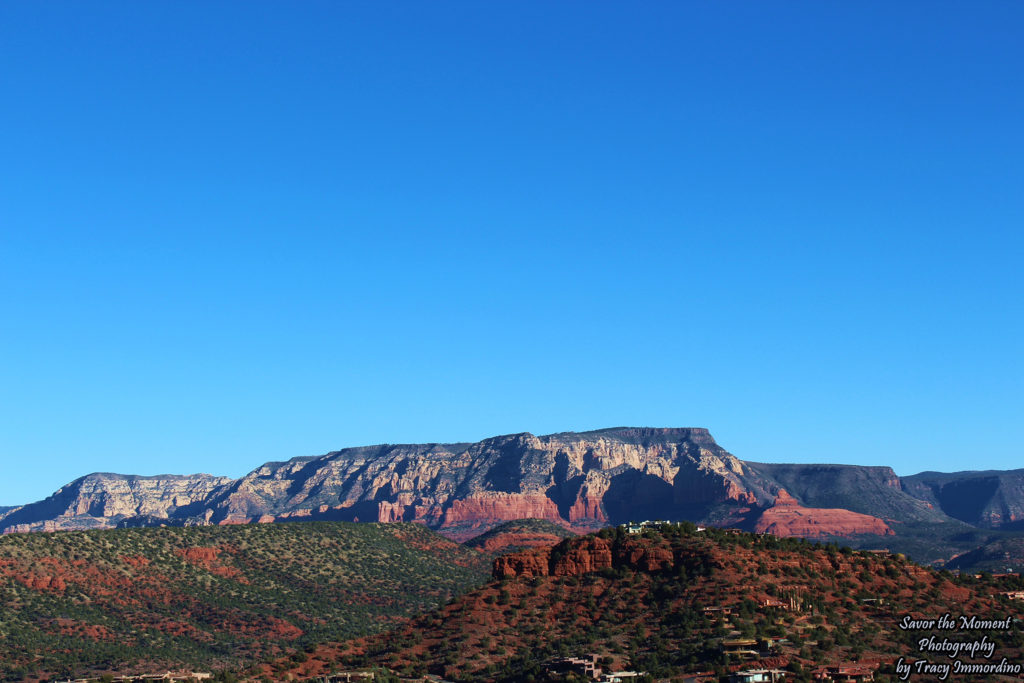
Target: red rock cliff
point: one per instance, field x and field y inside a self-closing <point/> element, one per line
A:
<point x="788" y="518"/>
<point x="576" y="557"/>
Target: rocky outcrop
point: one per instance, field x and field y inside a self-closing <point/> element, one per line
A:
<point x="788" y="518"/>
<point x="575" y="557"/>
<point x="566" y="559"/>
<point x="645" y="557"/>
<point x="528" y="563"/>
<point x="587" y="555"/>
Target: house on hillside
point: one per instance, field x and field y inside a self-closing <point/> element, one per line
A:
<point x="745" y="648"/>
<point x="347" y="677"/>
<point x="181" y="677"/>
<point x="638" y="527"/>
<point x="844" y="673"/>
<point x="581" y="666"/>
<point x="758" y="676"/>
<point x="1014" y="595"/>
<point x="748" y="648"/>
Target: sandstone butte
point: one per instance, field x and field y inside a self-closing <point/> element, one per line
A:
<point x="582" y="481"/>
<point x="788" y="518"/>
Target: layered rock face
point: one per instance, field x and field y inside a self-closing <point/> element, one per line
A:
<point x="582" y="481"/>
<point x="101" y="501"/>
<point x="788" y="518"/>
<point x="582" y="556"/>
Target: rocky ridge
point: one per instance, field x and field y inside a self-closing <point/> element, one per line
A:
<point x="103" y="500"/>
<point x="580" y="481"/>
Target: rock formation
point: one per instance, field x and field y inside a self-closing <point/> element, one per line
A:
<point x="788" y="518"/>
<point x="103" y="500"/>
<point x="575" y="557"/>
<point x="582" y="481"/>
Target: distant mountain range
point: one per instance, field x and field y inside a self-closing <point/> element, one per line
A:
<point x="582" y="481"/>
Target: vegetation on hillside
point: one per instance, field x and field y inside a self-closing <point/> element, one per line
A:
<point x="140" y="600"/>
<point x="827" y="604"/>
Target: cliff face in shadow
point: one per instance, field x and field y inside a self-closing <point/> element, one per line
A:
<point x="990" y="499"/>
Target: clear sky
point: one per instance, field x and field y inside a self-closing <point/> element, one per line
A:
<point x="248" y="231"/>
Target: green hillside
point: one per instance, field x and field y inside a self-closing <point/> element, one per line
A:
<point x="142" y="600"/>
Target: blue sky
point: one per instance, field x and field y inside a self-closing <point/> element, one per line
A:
<point x="240" y="232"/>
